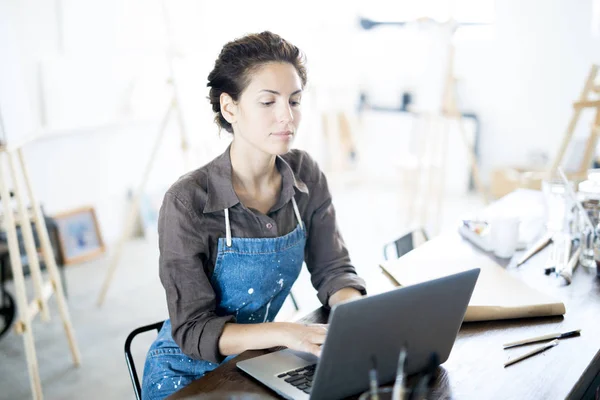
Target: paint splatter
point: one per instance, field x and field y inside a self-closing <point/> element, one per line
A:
<point x="250" y="291"/>
<point x="280" y="282"/>
<point x="267" y="312"/>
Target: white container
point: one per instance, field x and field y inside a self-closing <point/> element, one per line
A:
<point x="590" y="188"/>
<point x="504" y="236"/>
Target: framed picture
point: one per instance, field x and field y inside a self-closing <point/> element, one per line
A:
<point x="79" y="236"/>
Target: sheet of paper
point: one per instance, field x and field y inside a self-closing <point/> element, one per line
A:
<point x="497" y="294"/>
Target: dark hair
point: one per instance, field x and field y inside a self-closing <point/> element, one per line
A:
<point x="240" y="58"/>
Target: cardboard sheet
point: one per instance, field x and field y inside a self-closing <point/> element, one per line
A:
<point x="497" y="294"/>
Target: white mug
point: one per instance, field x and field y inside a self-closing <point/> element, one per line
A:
<point x="504" y="236"/>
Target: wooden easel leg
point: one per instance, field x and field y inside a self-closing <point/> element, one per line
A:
<point x="590" y="147"/>
<point x="471" y="154"/>
<point x="335" y="144"/>
<point x="417" y="195"/>
<point x="348" y="147"/>
<point x="441" y="184"/>
<point x="30" y="248"/>
<point x="185" y="145"/>
<point x="133" y="209"/>
<point x="587" y="89"/>
<point x="50" y="261"/>
<point x="416" y="178"/>
<point x="24" y="322"/>
<point x="450" y="109"/>
<point x="429" y="156"/>
<point x="175" y="103"/>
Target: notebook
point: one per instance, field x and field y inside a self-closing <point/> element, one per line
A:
<point x="497" y="295"/>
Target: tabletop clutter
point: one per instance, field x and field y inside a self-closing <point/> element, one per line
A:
<point x="570" y="224"/>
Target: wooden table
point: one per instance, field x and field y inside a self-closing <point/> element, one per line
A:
<point x="475" y="369"/>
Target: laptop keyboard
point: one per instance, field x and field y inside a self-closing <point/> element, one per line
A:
<point x="301" y="378"/>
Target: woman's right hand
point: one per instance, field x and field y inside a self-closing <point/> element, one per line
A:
<point x="304" y="337"/>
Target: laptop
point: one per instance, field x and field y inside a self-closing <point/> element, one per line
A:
<point x="424" y="317"/>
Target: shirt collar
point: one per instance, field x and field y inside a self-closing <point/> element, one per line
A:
<point x="220" y="190"/>
<point x="289" y="184"/>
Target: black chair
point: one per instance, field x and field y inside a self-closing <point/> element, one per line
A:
<point x="8" y="310"/>
<point x="405" y="243"/>
<point x="294" y="302"/>
<point x="7" y="304"/>
<point x="129" y="358"/>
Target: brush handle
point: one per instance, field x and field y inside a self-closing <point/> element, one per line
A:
<point x="542" y="338"/>
<point x="531" y="353"/>
<point x="539" y="245"/>
<point x="567" y="272"/>
<point x="532" y="340"/>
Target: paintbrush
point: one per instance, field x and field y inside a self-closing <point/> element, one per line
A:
<point x="566" y="273"/>
<point x="539" y="245"/>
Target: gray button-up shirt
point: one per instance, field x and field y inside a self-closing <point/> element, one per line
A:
<point x="192" y="220"/>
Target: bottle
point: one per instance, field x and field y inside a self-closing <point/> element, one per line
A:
<point x="589" y="246"/>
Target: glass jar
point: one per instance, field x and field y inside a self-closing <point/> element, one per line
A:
<point x="557" y="209"/>
<point x="589" y="196"/>
<point x="596" y="250"/>
<point x="588" y="234"/>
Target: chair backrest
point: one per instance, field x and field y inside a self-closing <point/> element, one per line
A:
<point x="8" y="311"/>
<point x="404" y="244"/>
<point x="129" y="358"/>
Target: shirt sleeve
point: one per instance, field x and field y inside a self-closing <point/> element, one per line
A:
<point x="191" y="299"/>
<point x="326" y="255"/>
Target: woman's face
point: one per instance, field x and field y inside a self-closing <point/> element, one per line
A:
<point x="267" y="114"/>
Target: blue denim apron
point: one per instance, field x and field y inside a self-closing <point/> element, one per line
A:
<point x="252" y="279"/>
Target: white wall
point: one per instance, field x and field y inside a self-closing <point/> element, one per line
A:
<point x="521" y="82"/>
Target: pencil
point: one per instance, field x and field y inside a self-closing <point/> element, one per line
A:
<point x="531" y="353"/>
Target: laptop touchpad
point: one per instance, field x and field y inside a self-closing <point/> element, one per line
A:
<point x="311" y="358"/>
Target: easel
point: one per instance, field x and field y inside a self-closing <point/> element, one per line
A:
<point x="449" y="112"/>
<point x="133" y="209"/>
<point x="431" y="131"/>
<point x="337" y="130"/>
<point x="43" y="291"/>
<point x="585" y="101"/>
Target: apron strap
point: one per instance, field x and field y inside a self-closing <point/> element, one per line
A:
<point x="297" y="212"/>
<point x="227" y="228"/>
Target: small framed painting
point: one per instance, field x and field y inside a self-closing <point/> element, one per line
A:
<point x="79" y="235"/>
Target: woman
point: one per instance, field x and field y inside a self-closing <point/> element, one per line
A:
<point x="233" y="234"/>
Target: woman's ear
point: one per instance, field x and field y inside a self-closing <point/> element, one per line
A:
<point x="228" y="108"/>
